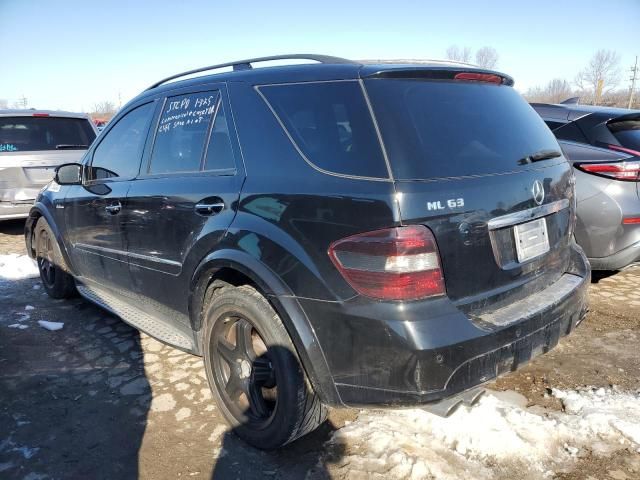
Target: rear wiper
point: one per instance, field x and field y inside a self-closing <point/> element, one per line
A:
<point x="540" y="155"/>
<point x="65" y="146"/>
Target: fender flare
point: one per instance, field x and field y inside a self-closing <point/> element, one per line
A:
<point x="37" y="211"/>
<point x="284" y="302"/>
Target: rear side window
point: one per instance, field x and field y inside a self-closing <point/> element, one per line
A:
<point x="331" y="125"/>
<point x="28" y="134"/>
<point x="627" y="132"/>
<point x="435" y="129"/>
<point x="571" y="131"/>
<point x="219" y="152"/>
<point x="182" y="132"/>
<point x="120" y="151"/>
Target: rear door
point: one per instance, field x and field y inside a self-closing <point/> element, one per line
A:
<point x="184" y="199"/>
<point x="470" y="161"/>
<point x="93" y="211"/>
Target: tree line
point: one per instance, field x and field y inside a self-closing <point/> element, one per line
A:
<point x="598" y="83"/>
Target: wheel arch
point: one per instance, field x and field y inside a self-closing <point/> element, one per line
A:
<point x="232" y="264"/>
<point x="39" y="211"/>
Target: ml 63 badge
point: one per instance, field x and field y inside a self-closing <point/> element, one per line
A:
<point x="452" y="203"/>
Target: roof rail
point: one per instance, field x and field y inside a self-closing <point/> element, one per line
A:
<point x="246" y="64"/>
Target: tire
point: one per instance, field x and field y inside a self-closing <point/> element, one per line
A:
<point x="271" y="403"/>
<point x="55" y="280"/>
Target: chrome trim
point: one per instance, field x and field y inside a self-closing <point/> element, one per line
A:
<point x="84" y="246"/>
<point x="526" y="215"/>
<point x="209" y="206"/>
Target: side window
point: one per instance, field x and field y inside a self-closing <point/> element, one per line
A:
<point x="570" y="131"/>
<point x="331" y="125"/>
<point x="553" y="125"/>
<point x="219" y="152"/>
<point x="120" y="152"/>
<point x="182" y="132"/>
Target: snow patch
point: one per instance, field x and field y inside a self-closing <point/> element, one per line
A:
<point x="19" y="326"/>
<point x="497" y="433"/>
<point x="17" y="267"/>
<point x="52" y="326"/>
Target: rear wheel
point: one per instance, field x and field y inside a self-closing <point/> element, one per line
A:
<point x="254" y="372"/>
<point x="57" y="283"/>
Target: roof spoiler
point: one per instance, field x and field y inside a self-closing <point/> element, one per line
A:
<point x="571" y="101"/>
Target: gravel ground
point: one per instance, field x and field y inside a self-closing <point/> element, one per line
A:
<point x="97" y="399"/>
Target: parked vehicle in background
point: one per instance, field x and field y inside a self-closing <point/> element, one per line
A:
<point x="603" y="145"/>
<point x="32" y="144"/>
<point x="324" y="234"/>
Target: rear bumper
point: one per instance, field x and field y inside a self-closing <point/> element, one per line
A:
<point x="11" y="210"/>
<point x="408" y="354"/>
<point x="618" y="260"/>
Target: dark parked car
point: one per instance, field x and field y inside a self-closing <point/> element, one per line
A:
<point x="604" y="146"/>
<point x="332" y="234"/>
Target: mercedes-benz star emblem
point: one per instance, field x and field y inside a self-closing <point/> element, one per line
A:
<point x="538" y="192"/>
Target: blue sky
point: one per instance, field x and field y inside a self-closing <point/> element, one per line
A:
<point x="73" y="54"/>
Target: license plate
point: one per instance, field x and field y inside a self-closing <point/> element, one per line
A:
<point x="531" y="239"/>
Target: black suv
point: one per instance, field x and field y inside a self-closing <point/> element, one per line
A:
<point x="331" y="234"/>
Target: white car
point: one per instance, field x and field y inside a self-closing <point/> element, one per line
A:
<point x="32" y="144"/>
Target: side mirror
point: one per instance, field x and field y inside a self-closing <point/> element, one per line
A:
<point x="68" y="174"/>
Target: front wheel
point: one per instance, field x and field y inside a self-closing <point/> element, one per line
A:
<point x="254" y="372"/>
<point x="57" y="283"/>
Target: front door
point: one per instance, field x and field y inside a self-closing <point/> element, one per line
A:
<point x="93" y="210"/>
<point x="184" y="200"/>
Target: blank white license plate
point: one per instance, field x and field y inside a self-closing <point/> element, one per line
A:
<point x="531" y="239"/>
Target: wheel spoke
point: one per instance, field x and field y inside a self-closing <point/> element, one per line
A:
<point x="244" y="342"/>
<point x="226" y="351"/>
<point x="257" y="403"/>
<point x="233" y="386"/>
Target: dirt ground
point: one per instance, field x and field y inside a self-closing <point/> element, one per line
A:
<point x="97" y="399"/>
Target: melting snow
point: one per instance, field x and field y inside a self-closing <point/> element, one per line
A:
<point x="53" y="326"/>
<point x="496" y="435"/>
<point x="17" y="267"/>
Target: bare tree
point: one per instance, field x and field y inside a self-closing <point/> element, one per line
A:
<point x="459" y="54"/>
<point x="487" y="57"/>
<point x="104" y="108"/>
<point x="600" y="76"/>
<point x="556" y="91"/>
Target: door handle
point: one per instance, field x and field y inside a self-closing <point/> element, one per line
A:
<point x="114" y="208"/>
<point x="209" y="208"/>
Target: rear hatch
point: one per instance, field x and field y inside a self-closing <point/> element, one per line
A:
<point x="474" y="162"/>
<point x="31" y="146"/>
<point x="626" y="129"/>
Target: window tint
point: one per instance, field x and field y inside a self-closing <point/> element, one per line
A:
<point x="441" y="129"/>
<point x="27" y="134"/>
<point x="331" y="124"/>
<point x="120" y="151"/>
<point x="553" y="125"/>
<point x="570" y="131"/>
<point x="627" y="132"/>
<point x="182" y="132"/>
<point x="219" y="152"/>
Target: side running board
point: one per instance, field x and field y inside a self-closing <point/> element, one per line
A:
<point x="137" y="318"/>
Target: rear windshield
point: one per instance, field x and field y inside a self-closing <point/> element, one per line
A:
<point x="437" y="129"/>
<point x="27" y="134"/>
<point x="627" y="132"/>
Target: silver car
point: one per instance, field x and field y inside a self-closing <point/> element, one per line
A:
<point x="604" y="146"/>
<point x="32" y="144"/>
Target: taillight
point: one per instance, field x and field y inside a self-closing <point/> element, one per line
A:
<point x="478" y="77"/>
<point x="40" y="115"/>
<point x="631" y="221"/>
<point x="399" y="263"/>
<point x="625" y="170"/>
